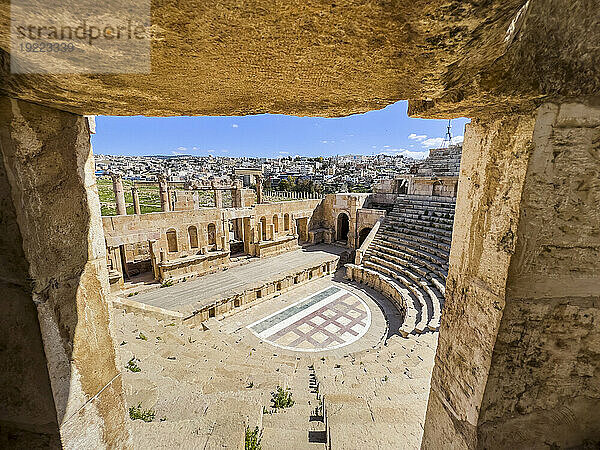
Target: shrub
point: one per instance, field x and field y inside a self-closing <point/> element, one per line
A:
<point x="136" y="412"/>
<point x="253" y="438"/>
<point x="282" y="398"/>
<point x="142" y="336"/>
<point x="168" y="282"/>
<point x="132" y="365"/>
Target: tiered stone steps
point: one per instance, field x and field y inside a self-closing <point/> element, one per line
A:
<point x="378" y="398"/>
<point x="208" y="386"/>
<point x="296" y="427"/>
<point x="442" y="162"/>
<point x="411" y="249"/>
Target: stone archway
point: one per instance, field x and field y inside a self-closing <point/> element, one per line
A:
<point x="343" y="226"/>
<point x="363" y="235"/>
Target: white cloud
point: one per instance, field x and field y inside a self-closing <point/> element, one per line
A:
<point x="387" y="146"/>
<point x="225" y="151"/>
<point x="284" y="153"/>
<point x="404" y="152"/>
<point x="182" y="149"/>
<point x="433" y="142"/>
<point x="415" y="155"/>
<point x="327" y="142"/>
<point x="235" y="125"/>
<point x="438" y="141"/>
<point x="417" y="137"/>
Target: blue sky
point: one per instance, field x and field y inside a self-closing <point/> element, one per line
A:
<point x="388" y="130"/>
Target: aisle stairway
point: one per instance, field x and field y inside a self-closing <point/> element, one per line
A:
<point x="205" y="387"/>
<point x="411" y="248"/>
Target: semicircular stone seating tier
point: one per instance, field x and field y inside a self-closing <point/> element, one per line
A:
<point x="411" y="250"/>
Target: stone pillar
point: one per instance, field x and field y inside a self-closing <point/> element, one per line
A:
<point x="236" y="194"/>
<point x="259" y="190"/>
<point x="163" y="187"/>
<point x="271" y="232"/>
<point x="119" y="194"/>
<point x="218" y="196"/>
<point x="259" y="226"/>
<point x="136" y="200"/>
<point x="248" y="234"/>
<point x="517" y="362"/>
<point x="152" y="245"/>
<point x="59" y="383"/>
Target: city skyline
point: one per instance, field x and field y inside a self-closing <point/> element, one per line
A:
<point x="386" y="131"/>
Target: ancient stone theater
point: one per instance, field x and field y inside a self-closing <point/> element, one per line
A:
<point x="454" y="306"/>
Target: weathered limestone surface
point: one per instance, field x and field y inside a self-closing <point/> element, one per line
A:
<point x="55" y="263"/>
<point x="544" y="383"/>
<point x="518" y="362"/>
<point x="119" y="194"/>
<point x="330" y="59"/>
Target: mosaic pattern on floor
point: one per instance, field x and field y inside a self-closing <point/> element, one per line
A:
<point x="329" y="319"/>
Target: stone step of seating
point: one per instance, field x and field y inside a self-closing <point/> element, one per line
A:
<point x="434" y="216"/>
<point x="434" y="299"/>
<point x="425" y="201"/>
<point x="286" y="439"/>
<point x="427" y="223"/>
<point x="423" y="251"/>
<point x="400" y="258"/>
<point x="437" y="231"/>
<point x="434" y="211"/>
<point x="409" y="301"/>
<point x="444" y="246"/>
<point x="441" y="216"/>
<point x="418" y="297"/>
<point x="430" y="298"/>
<point x="390" y="229"/>
<point x="416" y="252"/>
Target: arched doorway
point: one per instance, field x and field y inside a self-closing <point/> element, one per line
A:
<point x="263" y="222"/>
<point x="343" y="225"/>
<point x="363" y="235"/>
<point x="212" y="234"/>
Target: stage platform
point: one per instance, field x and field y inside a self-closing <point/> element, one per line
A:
<point x="195" y="294"/>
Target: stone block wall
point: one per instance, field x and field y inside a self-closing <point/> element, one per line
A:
<point x="518" y="360"/>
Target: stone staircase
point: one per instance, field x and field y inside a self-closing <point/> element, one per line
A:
<point x="302" y="426"/>
<point x="377" y="399"/>
<point x="411" y="249"/>
<point x="441" y="162"/>
<point x="205" y="387"/>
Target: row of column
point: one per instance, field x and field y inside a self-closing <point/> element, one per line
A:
<point x="294" y="194"/>
<point x="164" y="192"/>
<point x="120" y="196"/>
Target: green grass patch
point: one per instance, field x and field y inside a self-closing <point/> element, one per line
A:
<point x="281" y="398"/>
<point x="137" y="413"/>
<point x="253" y="438"/>
<point x="132" y="365"/>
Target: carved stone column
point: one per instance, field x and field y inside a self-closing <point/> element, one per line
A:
<point x="165" y="201"/>
<point x="119" y="194"/>
<point x="259" y="189"/>
<point x="136" y="200"/>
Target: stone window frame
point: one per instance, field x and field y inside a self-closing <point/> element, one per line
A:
<point x="172" y="231"/>
<point x="195" y="228"/>
<point x="208" y="240"/>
